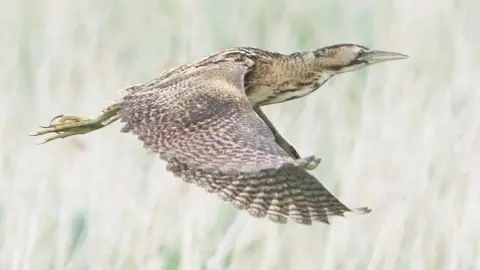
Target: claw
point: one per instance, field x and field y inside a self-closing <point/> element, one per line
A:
<point x="51" y="121"/>
<point x="55" y="118"/>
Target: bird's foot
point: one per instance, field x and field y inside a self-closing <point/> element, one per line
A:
<point x="68" y="125"/>
<point x="308" y="163"/>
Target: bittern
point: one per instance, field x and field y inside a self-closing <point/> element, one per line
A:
<point x="204" y="119"/>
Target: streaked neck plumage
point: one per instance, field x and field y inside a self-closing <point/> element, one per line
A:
<point x="285" y="77"/>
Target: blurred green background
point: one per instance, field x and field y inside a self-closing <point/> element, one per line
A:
<point x="402" y="137"/>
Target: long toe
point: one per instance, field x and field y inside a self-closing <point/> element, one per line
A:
<point x="62" y="135"/>
<point x="64" y="119"/>
<point x="71" y="125"/>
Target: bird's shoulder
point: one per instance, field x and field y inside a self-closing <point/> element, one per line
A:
<point x="247" y="56"/>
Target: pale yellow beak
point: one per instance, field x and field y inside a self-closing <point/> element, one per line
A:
<point x="373" y="57"/>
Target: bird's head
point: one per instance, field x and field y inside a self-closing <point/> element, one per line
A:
<point x="343" y="58"/>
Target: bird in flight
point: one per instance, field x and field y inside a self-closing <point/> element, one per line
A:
<point x="205" y="120"/>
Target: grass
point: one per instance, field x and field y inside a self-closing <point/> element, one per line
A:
<point x="402" y="138"/>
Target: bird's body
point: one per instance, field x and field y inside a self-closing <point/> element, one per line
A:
<point x="204" y="119"/>
<point x="273" y="77"/>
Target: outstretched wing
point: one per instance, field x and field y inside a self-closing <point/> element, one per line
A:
<point x="203" y="118"/>
<point x="278" y="195"/>
<point x="202" y="124"/>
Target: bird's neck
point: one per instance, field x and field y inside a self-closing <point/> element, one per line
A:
<point x="285" y="79"/>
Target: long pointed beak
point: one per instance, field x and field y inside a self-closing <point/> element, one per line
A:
<point x="373" y="57"/>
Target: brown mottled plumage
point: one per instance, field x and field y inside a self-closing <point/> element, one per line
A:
<point x="204" y="120"/>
